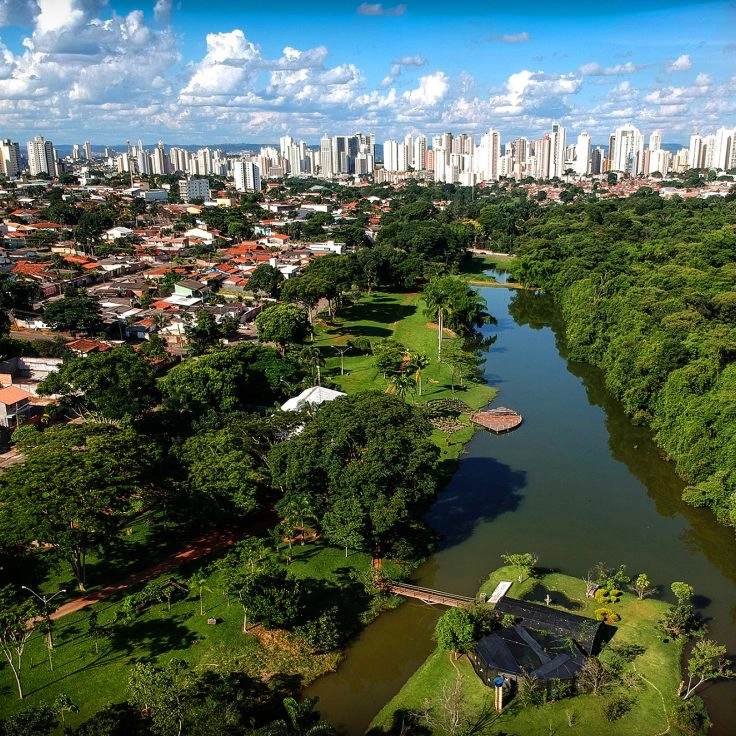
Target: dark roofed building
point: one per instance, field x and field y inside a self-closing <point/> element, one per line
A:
<point x="543" y="642"/>
<point x="583" y="630"/>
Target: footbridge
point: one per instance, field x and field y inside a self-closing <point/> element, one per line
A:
<point x="428" y="595"/>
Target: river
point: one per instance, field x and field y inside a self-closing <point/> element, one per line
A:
<point x="576" y="484"/>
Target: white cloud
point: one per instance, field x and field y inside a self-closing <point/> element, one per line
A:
<point x="230" y="62"/>
<point x="432" y="88"/>
<point x="526" y="90"/>
<point x="511" y="37"/>
<point x="378" y="9"/>
<point x="593" y="69"/>
<point x="680" y="64"/>
<point x="397" y="64"/>
<point x="162" y="11"/>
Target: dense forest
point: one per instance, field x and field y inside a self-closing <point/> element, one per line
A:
<point x="647" y="289"/>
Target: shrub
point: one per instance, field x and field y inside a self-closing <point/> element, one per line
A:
<point x="691" y="717"/>
<point x="618" y="706"/>
<point x="602" y="595"/>
<point x="607" y="615"/>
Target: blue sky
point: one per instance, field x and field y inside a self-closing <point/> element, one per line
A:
<point x="246" y="71"/>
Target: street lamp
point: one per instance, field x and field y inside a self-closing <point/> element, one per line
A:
<point x="45" y="599"/>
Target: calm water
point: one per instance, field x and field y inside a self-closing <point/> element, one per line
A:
<point x="577" y="483"/>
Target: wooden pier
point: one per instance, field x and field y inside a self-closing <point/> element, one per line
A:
<point x="427" y="595"/>
<point x="497" y="420"/>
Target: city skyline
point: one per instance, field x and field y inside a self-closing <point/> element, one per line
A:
<point x="75" y="70"/>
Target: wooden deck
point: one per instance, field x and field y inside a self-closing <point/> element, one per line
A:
<point x="427" y="595"/>
<point x="497" y="420"/>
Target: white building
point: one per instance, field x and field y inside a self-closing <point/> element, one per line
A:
<point x="487" y="158"/>
<point x="247" y="176"/>
<point x="326" y="164"/>
<point x="582" y="154"/>
<point x="190" y="189"/>
<point x="557" y="145"/>
<point x="41" y="159"/>
<point x="629" y="154"/>
<point x="9" y="159"/>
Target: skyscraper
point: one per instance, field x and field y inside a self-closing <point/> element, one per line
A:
<point x="629" y="154"/>
<point x="9" y="159"/>
<point x="88" y="150"/>
<point x="247" y="176"/>
<point x="41" y="157"/>
<point x="557" y="144"/>
<point x="582" y="154"/>
<point x="326" y="166"/>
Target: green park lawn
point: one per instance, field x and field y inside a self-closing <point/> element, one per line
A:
<point x="377" y="316"/>
<point x="95" y="679"/>
<point x="653" y="675"/>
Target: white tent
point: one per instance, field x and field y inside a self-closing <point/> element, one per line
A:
<point x="314" y="396"/>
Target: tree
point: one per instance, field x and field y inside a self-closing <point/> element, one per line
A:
<point x="75" y="490"/>
<point x="75" y="312"/>
<point x="64" y="704"/>
<point x="454" y="304"/>
<point x="707" y="661"/>
<point x="162" y="692"/>
<point x="642" y="587"/>
<point x="523" y="562"/>
<point x="40" y="720"/>
<point x="306" y="290"/>
<point x="282" y="324"/>
<point x="266" y="279"/>
<point x="372" y="447"/>
<point x="14" y="630"/>
<point x="417" y="363"/>
<point x="222" y="471"/>
<point x="302" y="720"/>
<point x="683" y="592"/>
<point x="115" y="384"/>
<point x="201" y="332"/>
<point x="400" y="385"/>
<point x="456" y="631"/>
<point x="344" y="524"/>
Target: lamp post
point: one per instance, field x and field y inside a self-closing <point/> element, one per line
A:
<point x="45" y="600"/>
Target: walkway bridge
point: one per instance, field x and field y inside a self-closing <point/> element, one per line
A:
<point x="427" y="595"/>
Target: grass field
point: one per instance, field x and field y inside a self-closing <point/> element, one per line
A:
<point x="94" y="679"/>
<point x="654" y="675"/>
<point x="380" y="315"/>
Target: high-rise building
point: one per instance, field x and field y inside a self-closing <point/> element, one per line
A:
<point x="9" y="159"/>
<point x="696" y="154"/>
<point x="420" y="153"/>
<point x="247" y="176"/>
<point x="582" y="154"/>
<point x="87" y="150"/>
<point x="629" y="153"/>
<point x="41" y="159"/>
<point x="722" y="147"/>
<point x="655" y="141"/>
<point x="75" y="151"/>
<point x="326" y="164"/>
<point x="487" y="158"/>
<point x="557" y="144"/>
<point x="159" y="160"/>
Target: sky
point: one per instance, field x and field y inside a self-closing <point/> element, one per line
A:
<point x="250" y="71"/>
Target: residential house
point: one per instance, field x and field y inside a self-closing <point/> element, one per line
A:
<point x="15" y="406"/>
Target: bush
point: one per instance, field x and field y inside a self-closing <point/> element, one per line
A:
<point x="691" y="717"/>
<point x="602" y="595"/>
<point x="618" y="706"/>
<point x="607" y="615"/>
<point x="361" y="345"/>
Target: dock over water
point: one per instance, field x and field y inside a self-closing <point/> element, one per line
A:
<point x="497" y="420"/>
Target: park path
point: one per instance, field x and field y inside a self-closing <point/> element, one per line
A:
<point x="195" y="550"/>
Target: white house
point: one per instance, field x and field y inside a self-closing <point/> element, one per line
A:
<point x="313" y="397"/>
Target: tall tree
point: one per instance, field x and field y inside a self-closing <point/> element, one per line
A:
<point x="75" y="312"/>
<point x="14" y="630"/>
<point x="115" y="384"/>
<point x="266" y="279"/>
<point x="282" y="324"/>
<point x="74" y="490"/>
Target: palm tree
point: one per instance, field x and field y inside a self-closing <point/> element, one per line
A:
<point x="439" y="304"/>
<point x="418" y="362"/>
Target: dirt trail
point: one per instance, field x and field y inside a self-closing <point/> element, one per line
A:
<point x="196" y="549"/>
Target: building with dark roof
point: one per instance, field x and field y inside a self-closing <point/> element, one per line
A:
<point x="543" y="642"/>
